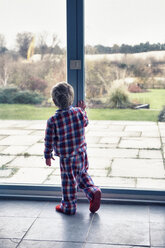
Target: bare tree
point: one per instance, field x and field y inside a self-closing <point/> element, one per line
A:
<point x="23" y="41"/>
<point x="5" y="63"/>
<point x="2" y="44"/>
<point x="42" y="43"/>
<point x="54" y="47"/>
<point x="2" y="41"/>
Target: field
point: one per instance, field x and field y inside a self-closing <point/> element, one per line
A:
<point x="157" y="55"/>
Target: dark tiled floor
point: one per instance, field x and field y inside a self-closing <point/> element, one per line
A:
<point x="26" y="224"/>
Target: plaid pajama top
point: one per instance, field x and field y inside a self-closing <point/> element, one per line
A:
<point x="65" y="133"/>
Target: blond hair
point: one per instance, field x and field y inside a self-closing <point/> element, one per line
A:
<point x="63" y="95"/>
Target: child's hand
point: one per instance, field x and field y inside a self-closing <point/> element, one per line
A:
<point x="81" y="104"/>
<point x="48" y="161"/>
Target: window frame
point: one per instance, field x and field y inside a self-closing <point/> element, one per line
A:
<point x="75" y="51"/>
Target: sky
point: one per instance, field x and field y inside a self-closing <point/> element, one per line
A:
<point x="107" y="22"/>
<point x="36" y="16"/>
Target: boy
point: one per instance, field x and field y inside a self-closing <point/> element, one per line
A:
<point x="65" y="134"/>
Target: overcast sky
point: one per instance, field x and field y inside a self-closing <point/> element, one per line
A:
<point x="107" y="22"/>
<point x="125" y="21"/>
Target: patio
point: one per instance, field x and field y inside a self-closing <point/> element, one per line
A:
<point x="123" y="154"/>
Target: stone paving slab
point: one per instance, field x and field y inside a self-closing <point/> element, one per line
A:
<point x="162" y="129"/>
<point x="19" y="140"/>
<point x="162" y="132"/>
<point x="14" y="132"/>
<point x="29" y="175"/>
<point x="111" y="140"/>
<point x="151" y="134"/>
<point x="36" y="149"/>
<point x="116" y="182"/>
<point x="53" y="179"/>
<point x="149" y="183"/>
<point x="104" y="133"/>
<point x="14" y="150"/>
<point x="99" y="163"/>
<point x="147" y="143"/>
<point x="145" y="128"/>
<point x="5" y="173"/>
<point x="7" y="123"/>
<point x="37" y="126"/>
<point x="40" y="133"/>
<point x="138" y="168"/>
<point x="2" y="136"/>
<point x="92" y="139"/>
<point x="56" y="172"/>
<point x="5" y="159"/>
<point x="135" y="123"/>
<point x="150" y="154"/>
<point x="112" y="153"/>
<point x="2" y="148"/>
<point x="105" y="128"/>
<point x="110" y="133"/>
<point x="25" y="124"/>
<point x="27" y="162"/>
<point x="101" y="146"/>
<point x="98" y="172"/>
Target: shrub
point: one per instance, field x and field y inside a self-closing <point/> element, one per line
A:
<point x="14" y="95"/>
<point x="134" y="88"/>
<point x="95" y="103"/>
<point x="28" y="97"/>
<point x="7" y="94"/>
<point x="161" y="116"/>
<point x="34" y="83"/>
<point x="119" y="98"/>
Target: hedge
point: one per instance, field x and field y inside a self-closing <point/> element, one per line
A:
<point x="13" y="95"/>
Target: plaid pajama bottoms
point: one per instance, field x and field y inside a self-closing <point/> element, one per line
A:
<point x="73" y="175"/>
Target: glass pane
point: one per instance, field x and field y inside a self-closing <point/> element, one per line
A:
<point x="125" y="92"/>
<point x="32" y="60"/>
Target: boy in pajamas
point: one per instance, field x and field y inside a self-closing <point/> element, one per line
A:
<point x="65" y="135"/>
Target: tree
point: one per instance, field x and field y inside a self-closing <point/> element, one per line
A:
<point x="98" y="77"/>
<point x="2" y="44"/>
<point x="115" y="48"/>
<point x="54" y="47"/>
<point x="42" y="44"/>
<point x="102" y="49"/>
<point x="90" y="49"/>
<point x="23" y="41"/>
<point x="44" y="48"/>
<point x="5" y="69"/>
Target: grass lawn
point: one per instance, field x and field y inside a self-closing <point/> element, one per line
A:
<point x="124" y="114"/>
<point x="155" y="97"/>
<point x="25" y="112"/>
<point x="30" y="112"/>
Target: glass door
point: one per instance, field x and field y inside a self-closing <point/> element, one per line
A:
<point x="125" y="92"/>
<point x="32" y="59"/>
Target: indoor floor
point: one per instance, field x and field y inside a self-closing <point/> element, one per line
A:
<point x="27" y="224"/>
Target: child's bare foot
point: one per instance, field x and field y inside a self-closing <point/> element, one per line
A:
<point x="95" y="202"/>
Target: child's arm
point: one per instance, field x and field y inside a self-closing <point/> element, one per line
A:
<point x="48" y="161"/>
<point x="49" y="137"/>
<point x="81" y="104"/>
